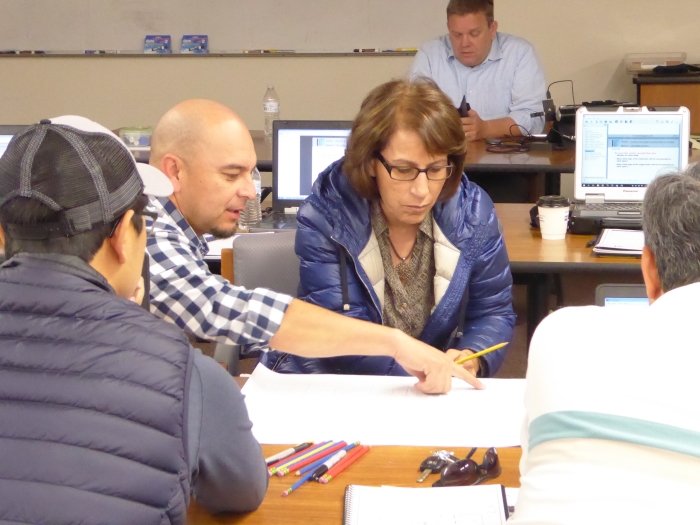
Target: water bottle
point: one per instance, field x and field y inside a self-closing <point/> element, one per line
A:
<point x="252" y="213"/>
<point x="271" y="109"/>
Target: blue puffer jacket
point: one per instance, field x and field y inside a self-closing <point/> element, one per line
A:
<point x="341" y="265"/>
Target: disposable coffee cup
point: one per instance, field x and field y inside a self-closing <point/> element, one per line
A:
<point x="553" y="212"/>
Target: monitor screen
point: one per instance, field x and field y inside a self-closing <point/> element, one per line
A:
<point x="302" y="154"/>
<point x="4" y="141"/>
<point x="627" y="301"/>
<point x="630" y="150"/>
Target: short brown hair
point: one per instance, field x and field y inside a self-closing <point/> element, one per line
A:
<point x="418" y="106"/>
<point x="468" y="7"/>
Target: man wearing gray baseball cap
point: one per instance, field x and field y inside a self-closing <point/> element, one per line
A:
<point x="109" y="415"/>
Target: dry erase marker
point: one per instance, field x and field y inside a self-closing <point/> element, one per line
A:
<point x="474" y="356"/>
<point x="400" y="50"/>
<point x="366" y="50"/>
<point x="288" y="452"/>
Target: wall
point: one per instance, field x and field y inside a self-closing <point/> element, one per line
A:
<point x="581" y="40"/>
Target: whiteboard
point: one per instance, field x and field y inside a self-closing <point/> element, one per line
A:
<point x="232" y="25"/>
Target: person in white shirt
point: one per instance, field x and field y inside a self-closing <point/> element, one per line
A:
<point x="612" y="431"/>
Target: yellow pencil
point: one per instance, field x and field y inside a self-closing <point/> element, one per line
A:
<point x="467" y="358"/>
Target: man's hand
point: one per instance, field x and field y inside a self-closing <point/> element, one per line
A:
<point x="471" y="366"/>
<point x="137" y="296"/>
<point x="474" y="127"/>
<point x="433" y="368"/>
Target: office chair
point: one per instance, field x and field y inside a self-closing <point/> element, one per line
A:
<point x="262" y="260"/>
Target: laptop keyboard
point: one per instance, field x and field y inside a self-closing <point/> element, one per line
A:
<point x="610" y="206"/>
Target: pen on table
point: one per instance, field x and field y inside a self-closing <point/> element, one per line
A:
<point x="345" y="463"/>
<point x="593" y="241"/>
<point x="288" y="452"/>
<point x="297" y="484"/>
<point x="366" y="50"/>
<point x="322" y="469"/>
<point x="474" y="356"/>
<point x="283" y="471"/>
<point x="299" y="455"/>
<point x="323" y="460"/>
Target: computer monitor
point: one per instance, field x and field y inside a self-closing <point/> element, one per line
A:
<point x="301" y="149"/>
<point x="6" y="134"/>
<point x="621" y="295"/>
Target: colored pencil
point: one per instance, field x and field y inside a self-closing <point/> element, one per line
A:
<point x="324" y="460"/>
<point x="297" y="484"/>
<point x="288" y="452"/>
<point x="272" y="467"/>
<point x="282" y="471"/>
<point x="478" y="354"/>
<point x="340" y="467"/>
<point x="303" y="454"/>
<point x="296" y="455"/>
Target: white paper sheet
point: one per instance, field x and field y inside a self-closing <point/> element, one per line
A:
<point x="379" y="410"/>
<point x="479" y="505"/>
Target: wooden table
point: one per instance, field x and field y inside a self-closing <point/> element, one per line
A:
<point x="533" y="260"/>
<point x="315" y="503"/>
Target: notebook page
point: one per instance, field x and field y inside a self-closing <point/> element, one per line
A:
<point x="478" y="505"/>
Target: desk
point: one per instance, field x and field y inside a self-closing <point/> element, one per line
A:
<point x="323" y="504"/>
<point x="532" y="259"/>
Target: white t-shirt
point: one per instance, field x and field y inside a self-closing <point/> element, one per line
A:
<point x="612" y="431"/>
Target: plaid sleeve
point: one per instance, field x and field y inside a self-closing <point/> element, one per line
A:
<point x="185" y="292"/>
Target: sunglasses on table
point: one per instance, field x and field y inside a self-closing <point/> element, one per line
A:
<point x="469" y="472"/>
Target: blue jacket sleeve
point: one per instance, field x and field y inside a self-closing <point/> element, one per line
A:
<point x="490" y="317"/>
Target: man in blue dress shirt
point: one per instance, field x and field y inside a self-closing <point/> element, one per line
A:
<point x="499" y="74"/>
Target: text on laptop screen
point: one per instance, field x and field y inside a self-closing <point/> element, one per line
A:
<point x="630" y="150"/>
<point x="304" y="153"/>
<point x="4" y="141"/>
<point x="627" y="301"/>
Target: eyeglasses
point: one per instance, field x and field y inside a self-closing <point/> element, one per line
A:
<point x="468" y="472"/>
<point x="409" y="173"/>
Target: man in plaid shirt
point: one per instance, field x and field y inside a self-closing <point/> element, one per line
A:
<point x="207" y="152"/>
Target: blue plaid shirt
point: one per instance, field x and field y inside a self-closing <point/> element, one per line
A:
<point x="185" y="292"/>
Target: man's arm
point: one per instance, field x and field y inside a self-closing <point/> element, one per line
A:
<point x="476" y="129"/>
<point x="226" y="463"/>
<point x="311" y="331"/>
<point x="528" y="91"/>
<point x="185" y="292"/>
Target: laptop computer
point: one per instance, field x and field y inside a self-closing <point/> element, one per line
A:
<point x="627" y="295"/>
<point x="301" y="149"/>
<point x="6" y="134"/>
<point x="618" y="153"/>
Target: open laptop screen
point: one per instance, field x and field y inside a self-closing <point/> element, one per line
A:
<point x="618" y="153"/>
<point x="630" y="150"/>
<point x="302" y="150"/>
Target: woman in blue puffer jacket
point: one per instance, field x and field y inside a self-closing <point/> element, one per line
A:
<point x="394" y="233"/>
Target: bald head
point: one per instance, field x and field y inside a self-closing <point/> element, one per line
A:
<point x="187" y="128"/>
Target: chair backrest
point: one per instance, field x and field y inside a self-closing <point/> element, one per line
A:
<point x="266" y="260"/>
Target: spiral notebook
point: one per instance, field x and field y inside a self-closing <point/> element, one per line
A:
<point x="482" y="504"/>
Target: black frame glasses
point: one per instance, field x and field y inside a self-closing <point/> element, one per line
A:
<point x="410" y="173"/>
<point x="468" y="472"/>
